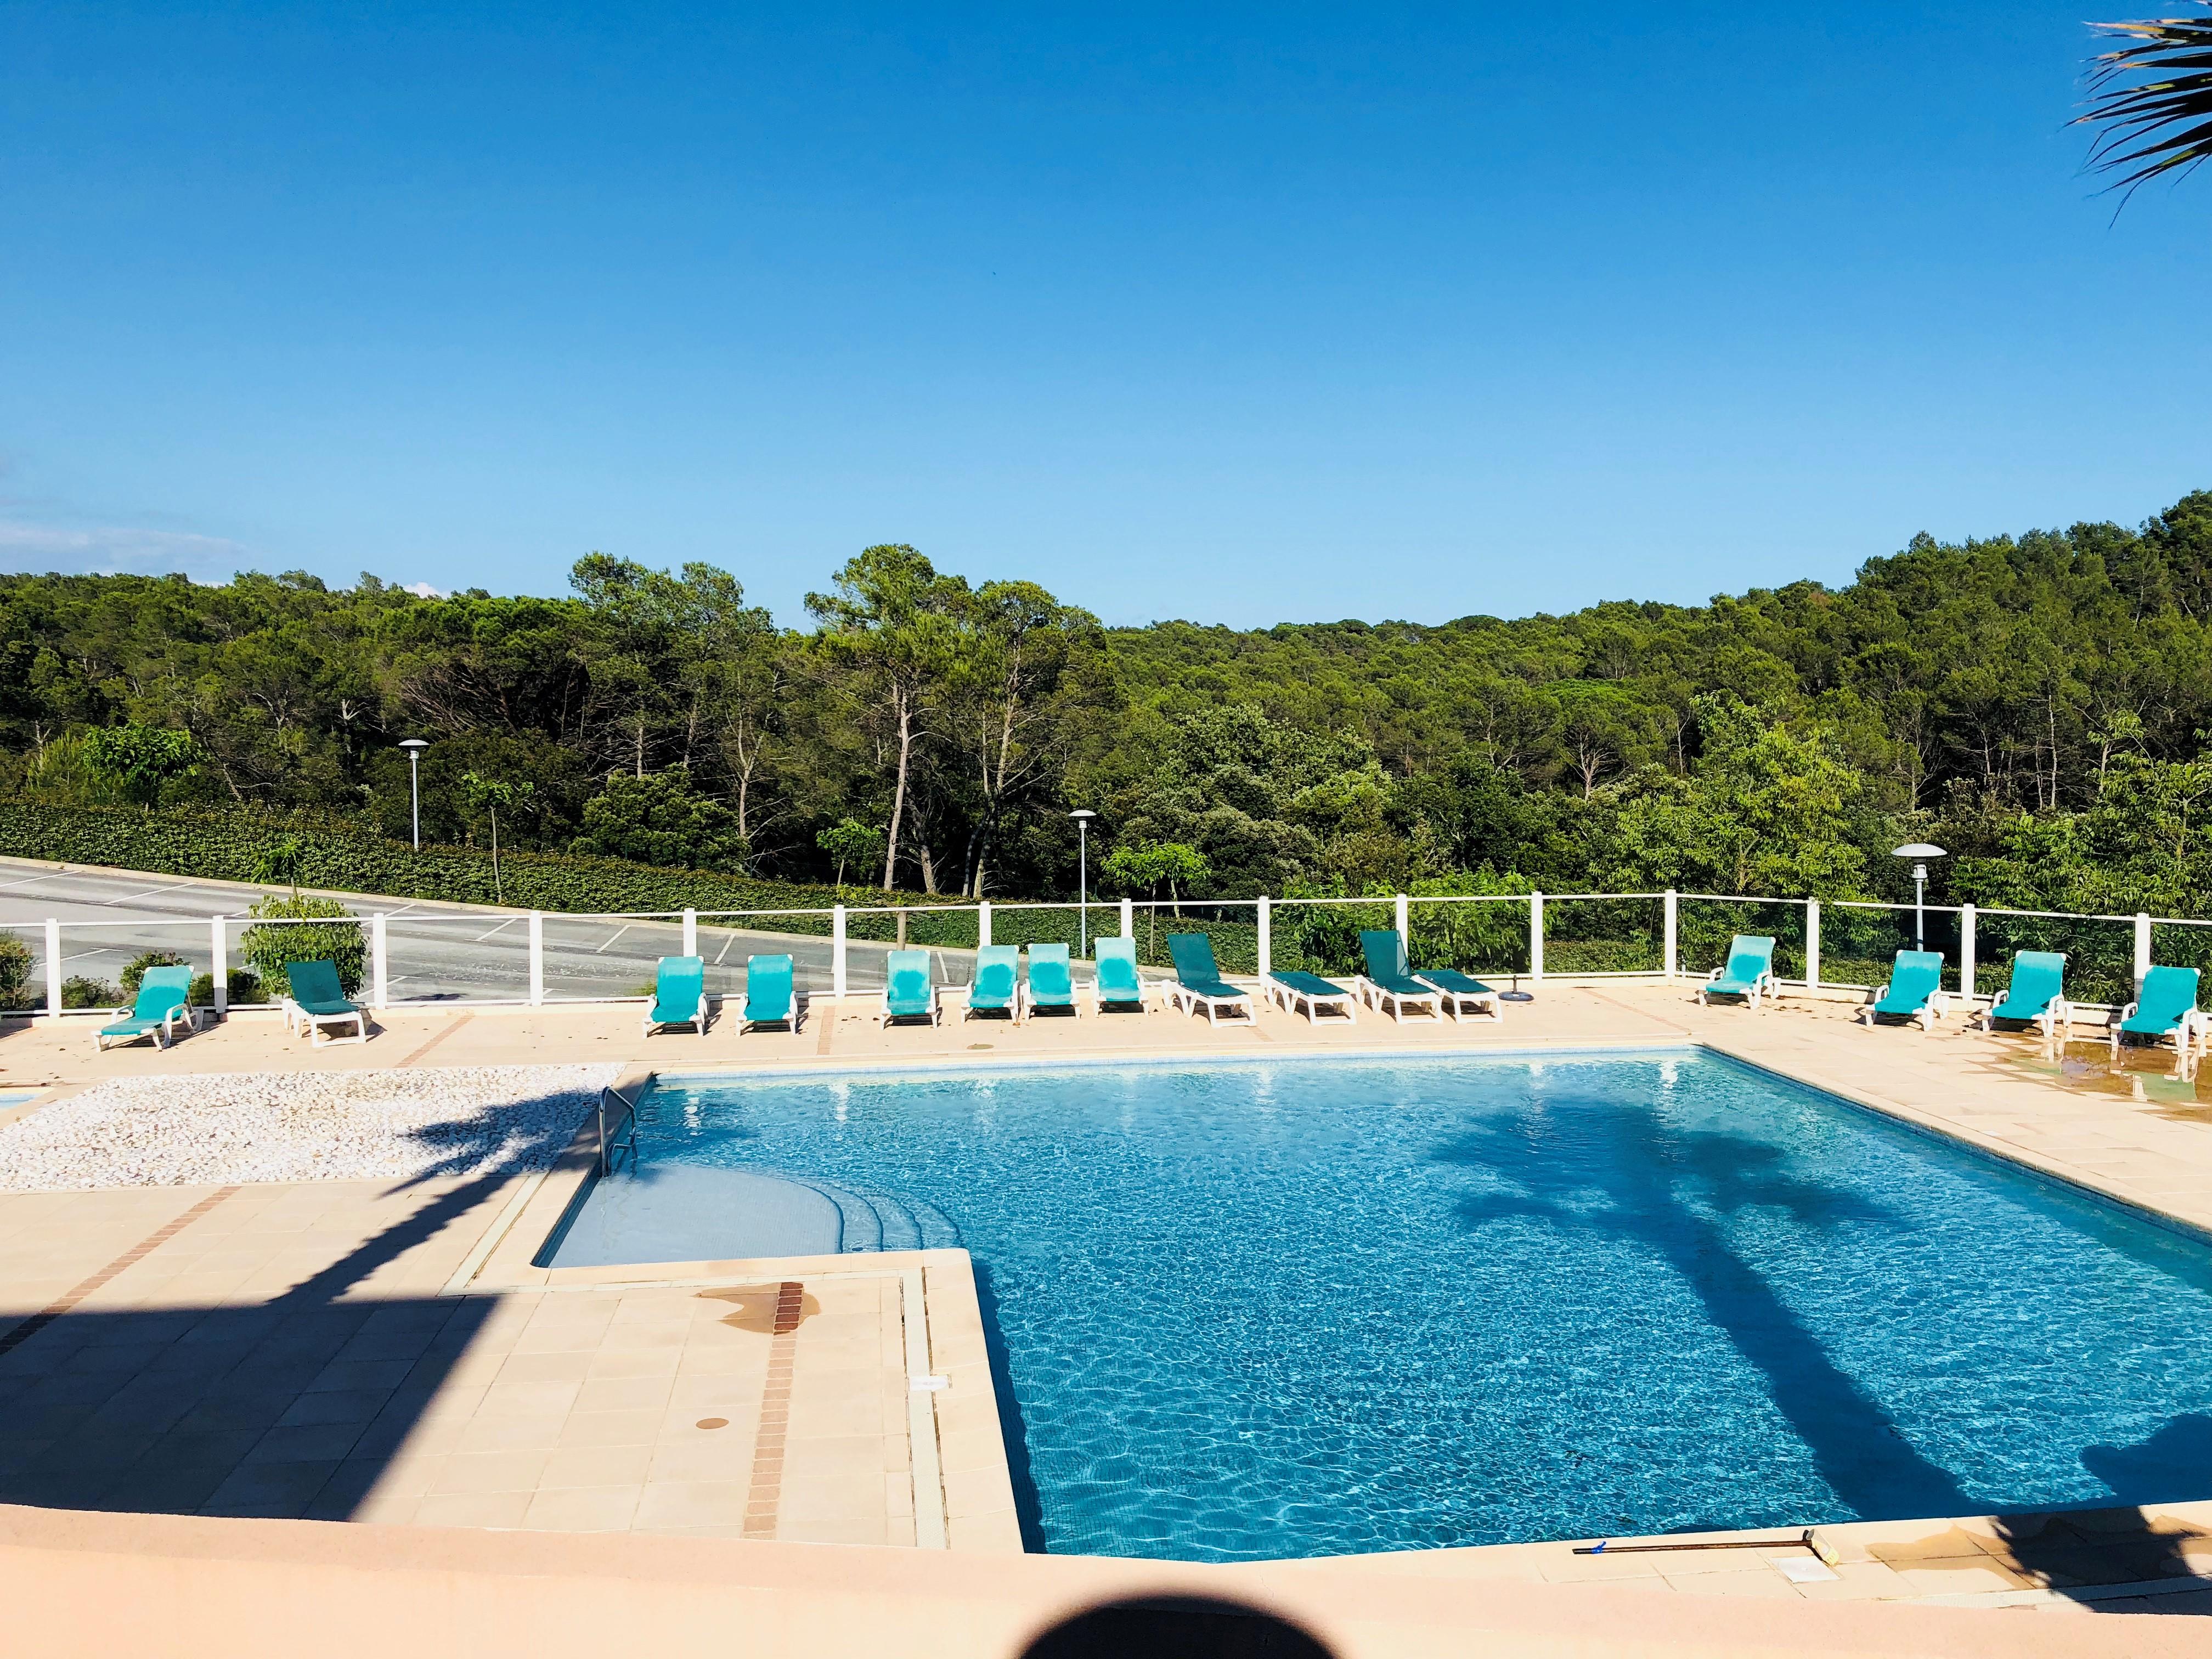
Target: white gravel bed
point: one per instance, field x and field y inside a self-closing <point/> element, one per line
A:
<point x="328" y="1125"/>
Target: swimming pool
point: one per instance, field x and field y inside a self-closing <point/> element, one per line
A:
<point x="1246" y="1310"/>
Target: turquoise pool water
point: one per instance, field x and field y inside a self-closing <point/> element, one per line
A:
<point x="1244" y="1310"/>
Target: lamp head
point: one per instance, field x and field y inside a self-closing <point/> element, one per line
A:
<point x="1918" y="849"/>
<point x="1082" y="813"/>
<point x="414" y="745"/>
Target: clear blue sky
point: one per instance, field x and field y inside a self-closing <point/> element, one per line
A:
<point x="1248" y="315"/>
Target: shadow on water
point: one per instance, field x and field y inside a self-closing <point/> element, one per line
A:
<point x="2119" y="1559"/>
<point x="1028" y="1508"/>
<point x="1668" y="1191"/>
<point x="290" y="1407"/>
<point x="1179" y="1627"/>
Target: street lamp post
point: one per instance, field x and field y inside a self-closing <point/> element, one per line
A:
<point x="1083" y="815"/>
<point x="1919" y="851"/>
<point x="415" y="746"/>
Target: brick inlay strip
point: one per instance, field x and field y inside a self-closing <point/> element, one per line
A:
<point x="451" y="1025"/>
<point x="145" y="1247"/>
<point x="765" y="1494"/>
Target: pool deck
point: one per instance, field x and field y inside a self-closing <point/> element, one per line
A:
<point x="380" y="1352"/>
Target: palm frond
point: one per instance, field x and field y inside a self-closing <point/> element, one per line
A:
<point x="2151" y="126"/>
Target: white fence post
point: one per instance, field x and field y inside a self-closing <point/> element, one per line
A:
<point x="53" y="967"/>
<point x="537" y="958"/>
<point x="218" y="968"/>
<point x="2143" y="951"/>
<point x="1812" y="945"/>
<point x="1966" y="952"/>
<point x="1671" y="955"/>
<point x="1535" y="936"/>
<point x="379" y="961"/>
<point x="1128" y="918"/>
<point x="1405" y="937"/>
<point x="691" y="933"/>
<point x="983" y="924"/>
<point x="1267" y="937"/>
<point x="837" y="953"/>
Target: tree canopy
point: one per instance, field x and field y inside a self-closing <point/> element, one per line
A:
<point x="2036" y="702"/>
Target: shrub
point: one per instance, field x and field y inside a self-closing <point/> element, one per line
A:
<point x="78" y="992"/>
<point x="244" y="986"/>
<point x="134" y="971"/>
<point x="16" y="963"/>
<point x="660" y="819"/>
<point x="269" y="948"/>
<point x="226" y="844"/>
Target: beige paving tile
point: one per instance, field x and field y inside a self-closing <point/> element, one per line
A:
<point x="692" y="1503"/>
<point x="595" y="1466"/>
<point x="503" y="1509"/>
<point x="583" y="1509"/>
<point x="489" y="1471"/>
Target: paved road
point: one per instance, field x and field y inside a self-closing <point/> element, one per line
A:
<point x="435" y="952"/>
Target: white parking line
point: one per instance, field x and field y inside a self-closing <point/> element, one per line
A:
<point x="612" y="937"/>
<point x="125" y="898"/>
<point x="28" y="881"/>
<point x="732" y="940"/>
<point x="501" y="928"/>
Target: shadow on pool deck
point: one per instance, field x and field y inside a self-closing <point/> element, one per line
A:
<point x="291" y="1408"/>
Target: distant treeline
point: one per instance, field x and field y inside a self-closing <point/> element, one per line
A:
<point x="2039" y="704"/>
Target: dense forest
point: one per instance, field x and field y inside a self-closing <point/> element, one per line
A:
<point x="2038" y="703"/>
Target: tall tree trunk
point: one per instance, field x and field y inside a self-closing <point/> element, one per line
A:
<point x="898" y="792"/>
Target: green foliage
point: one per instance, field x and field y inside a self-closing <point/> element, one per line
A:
<point x="660" y="819"/>
<point x="79" y="991"/>
<point x="849" y="840"/>
<point x="2032" y="701"/>
<point x="269" y="948"/>
<point x="134" y="971"/>
<point x="2152" y="97"/>
<point x="1148" y="865"/>
<point x="281" y="862"/>
<point x="139" y="761"/>
<point x="1765" y="810"/>
<point x="16" y="962"/>
<point x="228" y="846"/>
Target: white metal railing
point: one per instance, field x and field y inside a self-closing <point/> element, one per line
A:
<point x="530" y="959"/>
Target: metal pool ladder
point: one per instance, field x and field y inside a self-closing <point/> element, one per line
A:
<point x="612" y="1146"/>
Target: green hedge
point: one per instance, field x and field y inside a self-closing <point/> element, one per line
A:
<point x="230" y="845"/>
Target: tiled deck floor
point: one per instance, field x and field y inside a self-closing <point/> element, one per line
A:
<point x="307" y="1350"/>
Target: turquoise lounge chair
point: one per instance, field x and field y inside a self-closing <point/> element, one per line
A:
<point x="767" y="993"/>
<point x="318" y="999"/>
<point x="996" y="988"/>
<point x="907" y="993"/>
<point x="2165" y="1007"/>
<point x="2036" y="996"/>
<point x="1287" y="989"/>
<point x="1050" y="983"/>
<point x="164" y="1003"/>
<point x="1118" y="983"/>
<point x="1389" y="977"/>
<point x="1915" y="991"/>
<point x="1459" y="993"/>
<point x="679" y="994"/>
<point x="1198" y="982"/>
<point x="1748" y="973"/>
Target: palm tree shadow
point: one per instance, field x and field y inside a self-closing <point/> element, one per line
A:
<point x="292" y="1407"/>
<point x="1670" y="1191"/>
